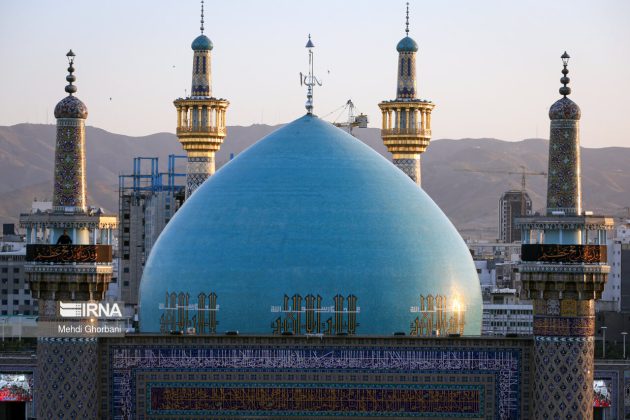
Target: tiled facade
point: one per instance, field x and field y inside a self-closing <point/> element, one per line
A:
<point x="564" y="192"/>
<point x="197" y="171"/>
<point x="411" y="168"/>
<point x="270" y="377"/>
<point x="70" y="164"/>
<point x="67" y="378"/>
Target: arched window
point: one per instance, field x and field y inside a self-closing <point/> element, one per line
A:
<point x="197" y="65"/>
<point x="409" y="67"/>
<point x="204" y="65"/>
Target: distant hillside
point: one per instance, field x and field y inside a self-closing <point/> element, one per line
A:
<point x="468" y="198"/>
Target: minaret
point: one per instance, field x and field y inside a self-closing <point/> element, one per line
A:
<point x="200" y="117"/>
<point x="69" y="259"/>
<point x="563" y="272"/>
<point x="406" y="130"/>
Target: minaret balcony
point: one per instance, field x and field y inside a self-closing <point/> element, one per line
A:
<point x="68" y="254"/>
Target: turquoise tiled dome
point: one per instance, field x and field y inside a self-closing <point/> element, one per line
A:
<point x="201" y="43"/>
<point x="310" y="210"/>
<point x="407" y="45"/>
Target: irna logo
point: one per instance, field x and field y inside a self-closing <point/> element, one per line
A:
<point x="89" y="309"/>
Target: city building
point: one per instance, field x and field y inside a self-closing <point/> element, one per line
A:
<point x="618" y="284"/>
<point x="147" y="200"/>
<point x="484" y="250"/>
<point x="563" y="272"/>
<point x="503" y="311"/>
<point x="200" y="117"/>
<point x="506" y="319"/>
<point x="15" y="295"/>
<point x="512" y="204"/>
<point x="624" y="276"/>
<point x="406" y="129"/>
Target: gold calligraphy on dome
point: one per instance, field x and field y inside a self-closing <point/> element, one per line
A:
<point x="180" y="315"/>
<point x="436" y="317"/>
<point x="308" y="315"/>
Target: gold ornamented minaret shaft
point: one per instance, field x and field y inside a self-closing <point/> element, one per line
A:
<point x="200" y="117"/>
<point x="406" y="130"/>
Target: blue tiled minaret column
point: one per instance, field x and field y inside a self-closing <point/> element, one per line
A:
<point x="563" y="272"/>
<point x="68" y="259"/>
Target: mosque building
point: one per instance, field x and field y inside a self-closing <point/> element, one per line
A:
<point x="310" y="277"/>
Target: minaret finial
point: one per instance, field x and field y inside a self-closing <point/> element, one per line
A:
<point x="201" y="16"/>
<point x="407" y="23"/>
<point x="70" y="88"/>
<point x="309" y="80"/>
<point x="565" y="90"/>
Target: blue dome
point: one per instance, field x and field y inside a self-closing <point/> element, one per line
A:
<point x="407" y="45"/>
<point x="309" y="210"/>
<point x="201" y="43"/>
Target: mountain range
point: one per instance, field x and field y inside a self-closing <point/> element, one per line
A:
<point x="464" y="177"/>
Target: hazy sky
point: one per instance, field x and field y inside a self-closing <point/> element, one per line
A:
<point x="492" y="67"/>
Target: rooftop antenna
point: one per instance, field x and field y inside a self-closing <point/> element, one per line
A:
<point x="407" y="23"/>
<point x="201" y="17"/>
<point x="309" y="80"/>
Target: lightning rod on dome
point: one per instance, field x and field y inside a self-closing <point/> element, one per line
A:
<point x="309" y="80"/>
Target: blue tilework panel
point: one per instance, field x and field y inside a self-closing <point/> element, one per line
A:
<point x="198" y="381"/>
<point x="411" y="168"/>
<point x="564" y="188"/>
<point x="70" y="164"/>
<point x="563" y="385"/>
<point x="67" y="378"/>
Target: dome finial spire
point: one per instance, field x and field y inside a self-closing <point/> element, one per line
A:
<point x="70" y="88"/>
<point x="309" y="80"/>
<point x="407" y="21"/>
<point x="565" y="90"/>
<point x="201" y="17"/>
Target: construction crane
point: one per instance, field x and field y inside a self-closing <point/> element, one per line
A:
<point x="523" y="172"/>
<point x="360" y="120"/>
